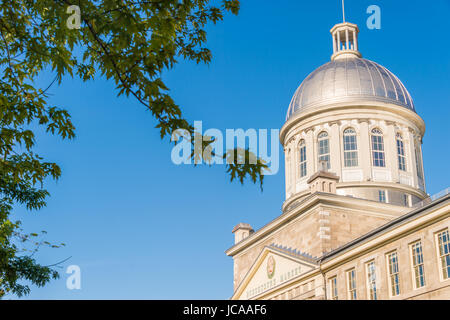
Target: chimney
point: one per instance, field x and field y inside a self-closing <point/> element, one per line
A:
<point x="322" y="180"/>
<point x="242" y="231"/>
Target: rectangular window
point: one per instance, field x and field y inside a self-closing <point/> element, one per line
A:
<point x="324" y="148"/>
<point x="382" y="196"/>
<point x="351" y="284"/>
<point x="303" y="161"/>
<point x="417" y="263"/>
<point x="444" y="253"/>
<point x="371" y="280"/>
<point x="406" y="200"/>
<point x="350" y="149"/>
<point x="401" y="155"/>
<point x="351" y="158"/>
<point x="333" y="288"/>
<point x="394" y="277"/>
<point x="378" y="151"/>
<point x="303" y="169"/>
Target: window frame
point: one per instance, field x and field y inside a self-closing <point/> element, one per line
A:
<point x="401" y="155"/>
<point x="377" y="160"/>
<point x="369" y="282"/>
<point x="413" y="266"/>
<point x="407" y="199"/>
<point x="390" y="275"/>
<point x="334" y="293"/>
<point x="438" y="254"/>
<point x="353" y="158"/>
<point x="303" y="164"/>
<point x="324" y="155"/>
<point x="385" y="195"/>
<point x="352" y="294"/>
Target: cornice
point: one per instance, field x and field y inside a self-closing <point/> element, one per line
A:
<point x="353" y="108"/>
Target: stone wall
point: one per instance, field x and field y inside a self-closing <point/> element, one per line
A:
<point x="315" y="232"/>
<point x="435" y="286"/>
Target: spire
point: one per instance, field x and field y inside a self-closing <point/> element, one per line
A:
<point x="343" y="11"/>
<point x="345" y="40"/>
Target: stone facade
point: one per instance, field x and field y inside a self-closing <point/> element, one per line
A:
<point x="323" y="223"/>
<point x="397" y="240"/>
<point x="353" y="238"/>
<point x="356" y="203"/>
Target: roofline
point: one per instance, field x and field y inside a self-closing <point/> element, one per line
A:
<point x="361" y="184"/>
<point x="384" y="228"/>
<point x="344" y="24"/>
<point x="309" y="202"/>
<point x="403" y="112"/>
<point x="297" y="258"/>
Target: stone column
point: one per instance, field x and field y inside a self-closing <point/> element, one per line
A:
<point x="419" y="147"/>
<point x="286" y="169"/>
<point x="324" y="232"/>
<point x="339" y="41"/>
<point x="347" y="40"/>
<point x="319" y="288"/>
<point x="295" y="163"/>
<point x="310" y="154"/>
<point x="292" y="167"/>
<point x="335" y="148"/>
<point x="412" y="158"/>
<point x="364" y="149"/>
<point x="334" y="43"/>
<point x="390" y="146"/>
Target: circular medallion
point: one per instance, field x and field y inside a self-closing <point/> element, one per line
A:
<point x="270" y="267"/>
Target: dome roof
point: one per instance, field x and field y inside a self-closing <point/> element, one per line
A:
<point x="349" y="79"/>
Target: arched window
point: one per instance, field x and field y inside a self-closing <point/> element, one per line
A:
<point x="324" y="148"/>
<point x="378" y="157"/>
<point x="401" y="153"/>
<point x="418" y="163"/>
<point x="350" y="148"/>
<point x="302" y="151"/>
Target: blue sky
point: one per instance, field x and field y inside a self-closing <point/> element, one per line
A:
<point x="141" y="227"/>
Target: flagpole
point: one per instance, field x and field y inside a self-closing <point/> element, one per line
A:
<point x="343" y="11"/>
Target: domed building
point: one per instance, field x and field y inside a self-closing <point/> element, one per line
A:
<point x="359" y="118"/>
<point x="357" y="222"/>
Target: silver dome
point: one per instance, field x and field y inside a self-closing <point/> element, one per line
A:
<point x="349" y="79"/>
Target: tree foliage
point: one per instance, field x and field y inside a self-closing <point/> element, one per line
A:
<point x="128" y="42"/>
